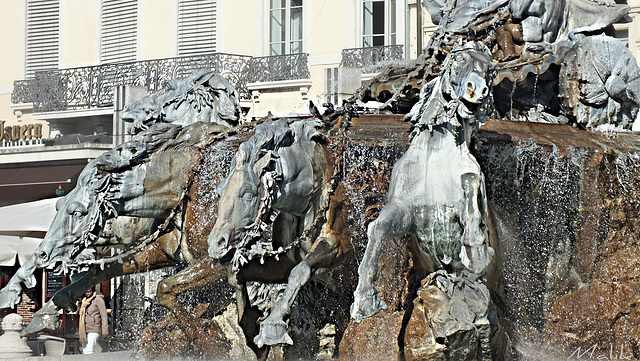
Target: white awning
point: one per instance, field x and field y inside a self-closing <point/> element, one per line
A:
<point x="22" y="227"/>
<point x="30" y="219"/>
<point x="12" y="247"/>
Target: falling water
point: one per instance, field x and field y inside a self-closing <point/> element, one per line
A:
<point x="535" y="90"/>
<point x="367" y="175"/>
<point x="513" y="90"/>
<point x="561" y="211"/>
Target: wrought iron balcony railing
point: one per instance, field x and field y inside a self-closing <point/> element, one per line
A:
<point x="371" y="59"/>
<point x="93" y="87"/>
<point x="277" y="68"/>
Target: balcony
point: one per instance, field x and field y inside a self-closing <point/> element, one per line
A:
<point x="277" y="68"/>
<point x="372" y="59"/>
<point x="93" y="87"/>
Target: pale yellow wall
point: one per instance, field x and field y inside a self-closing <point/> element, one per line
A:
<point x="12" y="61"/>
<point x="79" y="33"/>
<point x="157" y="29"/>
<point x="12" y="43"/>
<point x="328" y="26"/>
<point x="280" y="103"/>
<point x="239" y="29"/>
<point x="634" y="28"/>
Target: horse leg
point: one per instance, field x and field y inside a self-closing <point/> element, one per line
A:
<point x="153" y="257"/>
<point x="196" y="276"/>
<point x="394" y="221"/>
<point x="11" y="293"/>
<point x="476" y="253"/>
<point x="248" y="318"/>
<point x="273" y="330"/>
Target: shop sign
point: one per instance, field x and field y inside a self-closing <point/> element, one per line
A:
<point x="20" y="132"/>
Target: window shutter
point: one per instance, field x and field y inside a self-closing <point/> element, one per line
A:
<point x="119" y="29"/>
<point x="196" y="27"/>
<point x="42" y="35"/>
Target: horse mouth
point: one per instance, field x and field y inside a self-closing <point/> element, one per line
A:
<point x="56" y="267"/>
<point x="467" y="109"/>
<point x="225" y="260"/>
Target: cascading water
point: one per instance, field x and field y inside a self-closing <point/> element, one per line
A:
<point x="561" y="211"/>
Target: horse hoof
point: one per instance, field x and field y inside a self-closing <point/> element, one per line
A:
<point x="46" y="319"/>
<point x="10" y="297"/>
<point x="366" y="304"/>
<point x="63" y="300"/>
<point x="273" y="333"/>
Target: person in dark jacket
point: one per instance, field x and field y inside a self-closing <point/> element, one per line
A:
<point x="93" y="320"/>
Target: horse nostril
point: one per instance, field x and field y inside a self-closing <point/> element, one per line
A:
<point x="470" y="89"/>
<point x="485" y="91"/>
<point x="222" y="242"/>
<point x="43" y="255"/>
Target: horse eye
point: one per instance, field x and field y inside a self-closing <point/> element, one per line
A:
<point x="248" y="196"/>
<point x="77" y="214"/>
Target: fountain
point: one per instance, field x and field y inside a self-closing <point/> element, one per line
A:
<point x="496" y="223"/>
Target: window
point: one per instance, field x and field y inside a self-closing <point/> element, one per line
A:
<point x="285" y="27"/>
<point x="43" y="34"/>
<point x="119" y="29"/>
<point x="196" y="27"/>
<point x="379" y="23"/>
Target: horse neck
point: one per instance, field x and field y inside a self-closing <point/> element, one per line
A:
<point x="297" y="186"/>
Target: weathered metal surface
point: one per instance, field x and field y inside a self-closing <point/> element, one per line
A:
<point x="373" y="129"/>
<point x="561" y="136"/>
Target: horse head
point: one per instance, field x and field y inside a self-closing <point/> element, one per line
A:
<point x="467" y="79"/>
<point x="202" y="96"/>
<point x="269" y="172"/>
<point x="78" y="222"/>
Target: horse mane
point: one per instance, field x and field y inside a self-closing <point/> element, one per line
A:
<point x="198" y="91"/>
<point x="271" y="136"/>
<point x="437" y="106"/>
<point x="103" y="177"/>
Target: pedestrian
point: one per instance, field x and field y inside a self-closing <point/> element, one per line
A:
<point x="93" y="320"/>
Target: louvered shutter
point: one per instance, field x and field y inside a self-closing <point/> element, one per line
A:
<point x="119" y="29"/>
<point x="42" y="35"/>
<point x="196" y="27"/>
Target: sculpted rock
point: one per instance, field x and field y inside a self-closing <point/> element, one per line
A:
<point x="452" y="319"/>
<point x="570" y="266"/>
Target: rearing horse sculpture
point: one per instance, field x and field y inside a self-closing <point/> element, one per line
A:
<point x="437" y="193"/>
<point x="283" y="175"/>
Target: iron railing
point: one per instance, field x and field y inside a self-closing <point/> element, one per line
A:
<point x="93" y="86"/>
<point x="371" y="59"/>
<point x="278" y="68"/>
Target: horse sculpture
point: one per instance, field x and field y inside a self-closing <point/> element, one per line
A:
<point x="149" y="176"/>
<point x="203" y="96"/>
<point x="285" y="176"/>
<point x="437" y="193"/>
